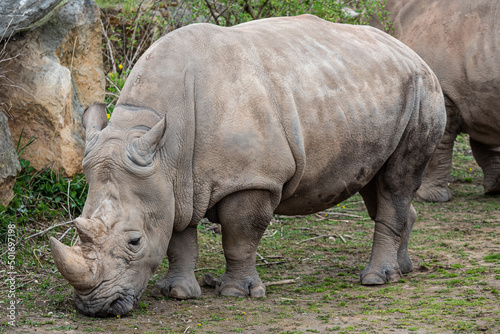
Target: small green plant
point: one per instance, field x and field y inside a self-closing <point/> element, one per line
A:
<point x="44" y="195"/>
<point x="116" y="81"/>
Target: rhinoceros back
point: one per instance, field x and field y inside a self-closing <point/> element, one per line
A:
<point x="307" y="109"/>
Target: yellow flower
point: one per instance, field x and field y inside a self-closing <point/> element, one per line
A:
<point x="343" y="206"/>
<point x="117" y="315"/>
<point x="470" y="169"/>
<point x="108" y="116"/>
<point x="120" y="66"/>
<point x="199" y="325"/>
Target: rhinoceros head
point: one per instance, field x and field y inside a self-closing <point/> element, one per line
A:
<point x="120" y="243"/>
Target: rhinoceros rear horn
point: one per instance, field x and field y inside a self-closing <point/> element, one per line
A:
<point x="142" y="150"/>
<point x="80" y="272"/>
<point x="89" y="231"/>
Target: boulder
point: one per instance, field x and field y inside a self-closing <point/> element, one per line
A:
<point x="16" y="15"/>
<point x="9" y="164"/>
<point x="55" y="71"/>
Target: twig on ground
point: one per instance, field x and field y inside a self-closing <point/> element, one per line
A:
<point x="271" y="234"/>
<point x="64" y="234"/>
<point x="269" y="263"/>
<point x="340" y="214"/>
<point x="200" y="269"/>
<point x="73" y="240"/>
<point x="52" y="288"/>
<point x="327" y="236"/>
<point x="338" y="220"/>
<point x="48" y="229"/>
<point x="286" y="281"/>
<point x="262" y="258"/>
<point x="318" y="237"/>
<point x="299" y="300"/>
<point x="36" y="257"/>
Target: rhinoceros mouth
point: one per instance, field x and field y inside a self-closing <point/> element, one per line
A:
<point x="121" y="306"/>
<point x="120" y="303"/>
<point x="93" y="305"/>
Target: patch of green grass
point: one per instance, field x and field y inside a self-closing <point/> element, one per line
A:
<point x="492" y="258"/>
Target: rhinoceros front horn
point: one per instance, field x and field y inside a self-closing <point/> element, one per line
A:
<point x="80" y="272"/>
<point x="141" y="150"/>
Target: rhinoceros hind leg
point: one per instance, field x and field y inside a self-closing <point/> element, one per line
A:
<point x="390" y="268"/>
<point x="390" y="254"/>
<point x="488" y="158"/>
<point x="180" y="281"/>
<point x="434" y="187"/>
<point x="388" y="199"/>
<point x="404" y="261"/>
<point x="244" y="217"/>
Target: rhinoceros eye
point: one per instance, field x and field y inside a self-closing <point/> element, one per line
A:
<point x="135" y="241"/>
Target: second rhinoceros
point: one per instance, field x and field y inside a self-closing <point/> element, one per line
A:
<point x="281" y="115"/>
<point x="460" y="41"/>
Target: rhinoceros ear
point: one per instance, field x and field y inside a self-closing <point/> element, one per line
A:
<point x="94" y="119"/>
<point x="141" y="150"/>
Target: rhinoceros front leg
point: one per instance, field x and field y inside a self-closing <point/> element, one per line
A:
<point x="434" y="188"/>
<point x="488" y="158"/>
<point x="244" y="216"/>
<point x="180" y="281"/>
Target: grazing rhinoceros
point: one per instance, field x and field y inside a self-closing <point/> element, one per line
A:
<point x="460" y="41"/>
<point x="281" y="115"/>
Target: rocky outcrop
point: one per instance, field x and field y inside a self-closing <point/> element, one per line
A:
<point x="16" y="15"/>
<point x="9" y="164"/>
<point x="56" y="71"/>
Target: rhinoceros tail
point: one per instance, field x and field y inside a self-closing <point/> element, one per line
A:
<point x="295" y="138"/>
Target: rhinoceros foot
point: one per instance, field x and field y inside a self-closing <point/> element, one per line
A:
<point x="374" y="277"/>
<point x="428" y="193"/>
<point x="183" y="287"/>
<point x="252" y="287"/>
<point x="491" y="186"/>
<point x="405" y="264"/>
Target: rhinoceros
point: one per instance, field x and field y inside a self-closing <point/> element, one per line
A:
<point x="460" y="41"/>
<point x="281" y="115"/>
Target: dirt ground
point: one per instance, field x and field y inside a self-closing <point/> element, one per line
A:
<point x="454" y="287"/>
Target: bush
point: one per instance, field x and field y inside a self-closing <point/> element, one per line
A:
<point x="42" y="197"/>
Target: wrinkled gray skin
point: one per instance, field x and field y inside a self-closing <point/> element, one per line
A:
<point x="283" y="115"/>
<point x="460" y="41"/>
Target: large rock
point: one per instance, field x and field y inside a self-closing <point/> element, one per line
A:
<point x="9" y="164"/>
<point x="16" y="15"/>
<point x="56" y="74"/>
